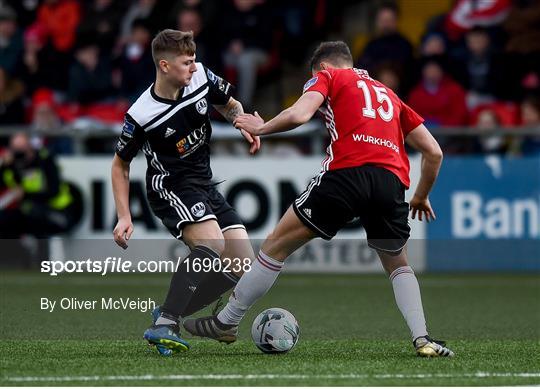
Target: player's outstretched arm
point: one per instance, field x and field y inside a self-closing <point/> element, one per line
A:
<point x="299" y="113"/>
<point x="120" y="183"/>
<point x="422" y="140"/>
<point x="231" y="111"/>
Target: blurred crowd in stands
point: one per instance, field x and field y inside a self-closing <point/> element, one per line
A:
<point x="476" y="65"/>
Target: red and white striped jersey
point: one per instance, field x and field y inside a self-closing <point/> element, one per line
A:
<point x="366" y="121"/>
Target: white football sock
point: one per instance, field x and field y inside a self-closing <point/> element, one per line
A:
<point x="252" y="285"/>
<point x="408" y="299"/>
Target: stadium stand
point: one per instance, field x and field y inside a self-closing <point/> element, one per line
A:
<point x="72" y="65"/>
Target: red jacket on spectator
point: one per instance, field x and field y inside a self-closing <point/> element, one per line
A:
<point x="60" y="19"/>
<point x="446" y="106"/>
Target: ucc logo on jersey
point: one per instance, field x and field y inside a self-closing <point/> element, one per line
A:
<point x="192" y="142"/>
<point x="198" y="209"/>
<point x="202" y="106"/>
<point x="182" y="146"/>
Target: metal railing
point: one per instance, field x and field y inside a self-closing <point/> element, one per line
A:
<point x="314" y="132"/>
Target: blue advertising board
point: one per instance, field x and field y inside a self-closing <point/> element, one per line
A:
<point x="488" y="215"/>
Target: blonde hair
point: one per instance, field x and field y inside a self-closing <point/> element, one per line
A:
<point x="172" y="42"/>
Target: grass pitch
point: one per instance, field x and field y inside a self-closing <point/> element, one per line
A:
<point x="351" y="334"/>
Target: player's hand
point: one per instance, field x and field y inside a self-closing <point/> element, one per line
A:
<point x="250" y="123"/>
<point x="422" y="208"/>
<point x="253" y="140"/>
<point x="122" y="232"/>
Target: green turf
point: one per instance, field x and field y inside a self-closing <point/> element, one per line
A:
<point x="351" y="334"/>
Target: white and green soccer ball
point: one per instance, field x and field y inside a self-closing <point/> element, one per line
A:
<point x="275" y="330"/>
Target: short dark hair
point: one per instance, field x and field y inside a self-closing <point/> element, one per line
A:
<point x="172" y="42"/>
<point x="388" y="5"/>
<point x="337" y="53"/>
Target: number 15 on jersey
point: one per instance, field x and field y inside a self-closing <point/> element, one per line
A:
<point x="382" y="98"/>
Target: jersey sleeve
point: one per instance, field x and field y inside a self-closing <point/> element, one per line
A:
<point x="320" y="83"/>
<point x="219" y="89"/>
<point x="130" y="140"/>
<point x="409" y="119"/>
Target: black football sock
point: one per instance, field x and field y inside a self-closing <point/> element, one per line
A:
<point x="184" y="283"/>
<point x="213" y="285"/>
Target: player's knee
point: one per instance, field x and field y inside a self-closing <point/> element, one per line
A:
<point x="216" y="244"/>
<point x="271" y="236"/>
<point x="219" y="245"/>
<point x="392" y="261"/>
<point x="206" y="234"/>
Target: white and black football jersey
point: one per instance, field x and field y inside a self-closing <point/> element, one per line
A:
<point x="174" y="134"/>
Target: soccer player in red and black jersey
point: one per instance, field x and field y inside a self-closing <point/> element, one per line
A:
<point x="365" y="174"/>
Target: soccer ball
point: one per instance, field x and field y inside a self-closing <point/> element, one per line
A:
<point x="275" y="330"/>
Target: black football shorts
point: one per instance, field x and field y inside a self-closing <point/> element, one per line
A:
<point x="179" y="207"/>
<point x="373" y="194"/>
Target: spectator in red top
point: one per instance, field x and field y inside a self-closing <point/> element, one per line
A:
<point x="60" y="18"/>
<point x="438" y="98"/>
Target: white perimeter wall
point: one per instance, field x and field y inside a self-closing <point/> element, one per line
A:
<point x="346" y="253"/>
